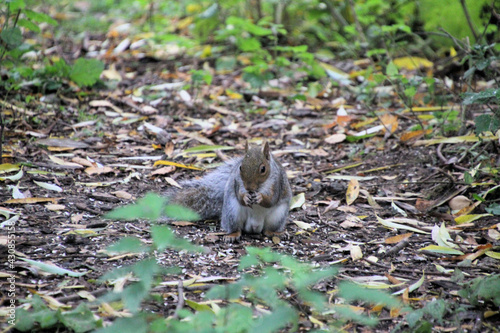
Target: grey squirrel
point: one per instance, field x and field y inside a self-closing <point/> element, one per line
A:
<point x="248" y="194"/>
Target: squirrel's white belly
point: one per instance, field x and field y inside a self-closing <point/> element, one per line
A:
<point x="254" y="218"/>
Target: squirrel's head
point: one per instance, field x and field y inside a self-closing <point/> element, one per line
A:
<point x="255" y="167"/>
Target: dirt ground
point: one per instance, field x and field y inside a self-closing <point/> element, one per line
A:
<point x="74" y="236"/>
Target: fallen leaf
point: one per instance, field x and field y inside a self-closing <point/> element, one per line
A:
<point x="335" y="138"/>
<point x="398" y="238"/>
<point x="356" y="253"/>
<point x="76" y="218"/>
<point x="98" y="171"/>
<point x="441" y="249"/>
<point x="55" y="207"/>
<point x="298" y="201"/>
<point x="123" y="195"/>
<point x="352" y="191"/>
<point x="31" y="200"/>
<point x="60" y="161"/>
<point x="161" y="162"/>
<point x="412" y="63"/>
<point x="303" y="225"/>
<point x="459" y="202"/>
<point x="47" y="186"/>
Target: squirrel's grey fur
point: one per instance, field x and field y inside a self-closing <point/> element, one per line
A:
<point x="238" y="197"/>
<point x="205" y="195"/>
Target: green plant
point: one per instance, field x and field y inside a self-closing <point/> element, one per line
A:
<point x="81" y="319"/>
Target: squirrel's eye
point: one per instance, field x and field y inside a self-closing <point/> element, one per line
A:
<point x="262" y="169"/>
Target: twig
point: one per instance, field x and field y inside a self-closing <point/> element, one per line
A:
<point x="469" y="21"/>
<point x="396" y="248"/>
<point x="180" y="300"/>
<point x="356" y="22"/>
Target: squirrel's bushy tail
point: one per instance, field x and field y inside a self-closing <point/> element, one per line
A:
<point x="205" y="195"/>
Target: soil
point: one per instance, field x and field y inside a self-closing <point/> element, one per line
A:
<point x="74" y="236"/>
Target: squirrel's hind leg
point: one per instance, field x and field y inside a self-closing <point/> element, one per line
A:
<point x="275" y="222"/>
<point x="233" y="218"/>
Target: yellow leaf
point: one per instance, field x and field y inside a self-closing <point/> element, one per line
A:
<point x="412" y="63"/>
<point x="8" y="167"/>
<point x="233" y="95"/>
<point x="494" y="255"/>
<point x="184" y="23"/>
<point x="356" y="253"/>
<point x="398" y="238"/>
<point x="207" y="52"/>
<point x="31" y="200"/>
<point x="193" y="8"/>
<point x="390" y="122"/>
<point x="352" y="191"/>
<point x="441" y="249"/>
<point x="161" y="162"/>
<point x="298" y="201"/>
<point x="469" y="218"/>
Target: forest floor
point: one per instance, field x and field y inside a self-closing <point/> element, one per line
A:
<point x="99" y="148"/>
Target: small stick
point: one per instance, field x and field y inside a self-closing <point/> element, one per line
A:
<point x="180" y="301"/>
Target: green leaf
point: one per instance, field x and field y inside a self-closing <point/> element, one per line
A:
<point x="86" y="72"/>
<point x="486" y="122"/>
<point x="248" y="44"/>
<point x="16" y="5"/>
<point x="12" y="37"/>
<point x="182" y="213"/>
<point x="40" y="17"/>
<point x="410" y="92"/>
<point x="52" y="268"/>
<point x="135" y="324"/>
<point x="150" y="207"/>
<point x="163" y="237"/>
<point x="24" y="321"/>
<point x="79" y="320"/>
<point x="493" y="209"/>
<point x="204" y="148"/>
<point x="483" y="97"/>
<point x="392" y="69"/>
<point x="133" y="295"/>
<point x="482" y="289"/>
<point x="28" y="25"/>
<point x="127" y="245"/>
<point x="441" y="249"/>
<point x="352" y="292"/>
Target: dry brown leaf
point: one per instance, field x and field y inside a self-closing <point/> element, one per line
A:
<point x="31" y="200"/>
<point x="392" y="279"/>
<point x="76" y="218"/>
<point x="123" y="195"/>
<point x="182" y="223"/>
<point x="352" y="191"/>
<point x="335" y="138"/>
<point x="459" y="202"/>
<point x="95" y="170"/>
<point x="83" y="161"/>
<point x="347" y="209"/>
<point x="356" y="253"/>
<point x="398" y="238"/>
<point x="414" y="135"/>
<point x="55" y="207"/>
<point x="390" y="122"/>
<point x="60" y="161"/>
<point x="164" y="170"/>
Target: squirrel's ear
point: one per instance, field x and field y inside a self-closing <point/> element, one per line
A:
<point x="266" y="150"/>
<point x="246" y="146"/>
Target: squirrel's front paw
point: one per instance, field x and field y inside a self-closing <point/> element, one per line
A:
<point x="248" y="199"/>
<point x="232" y="237"/>
<point x="257" y="198"/>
